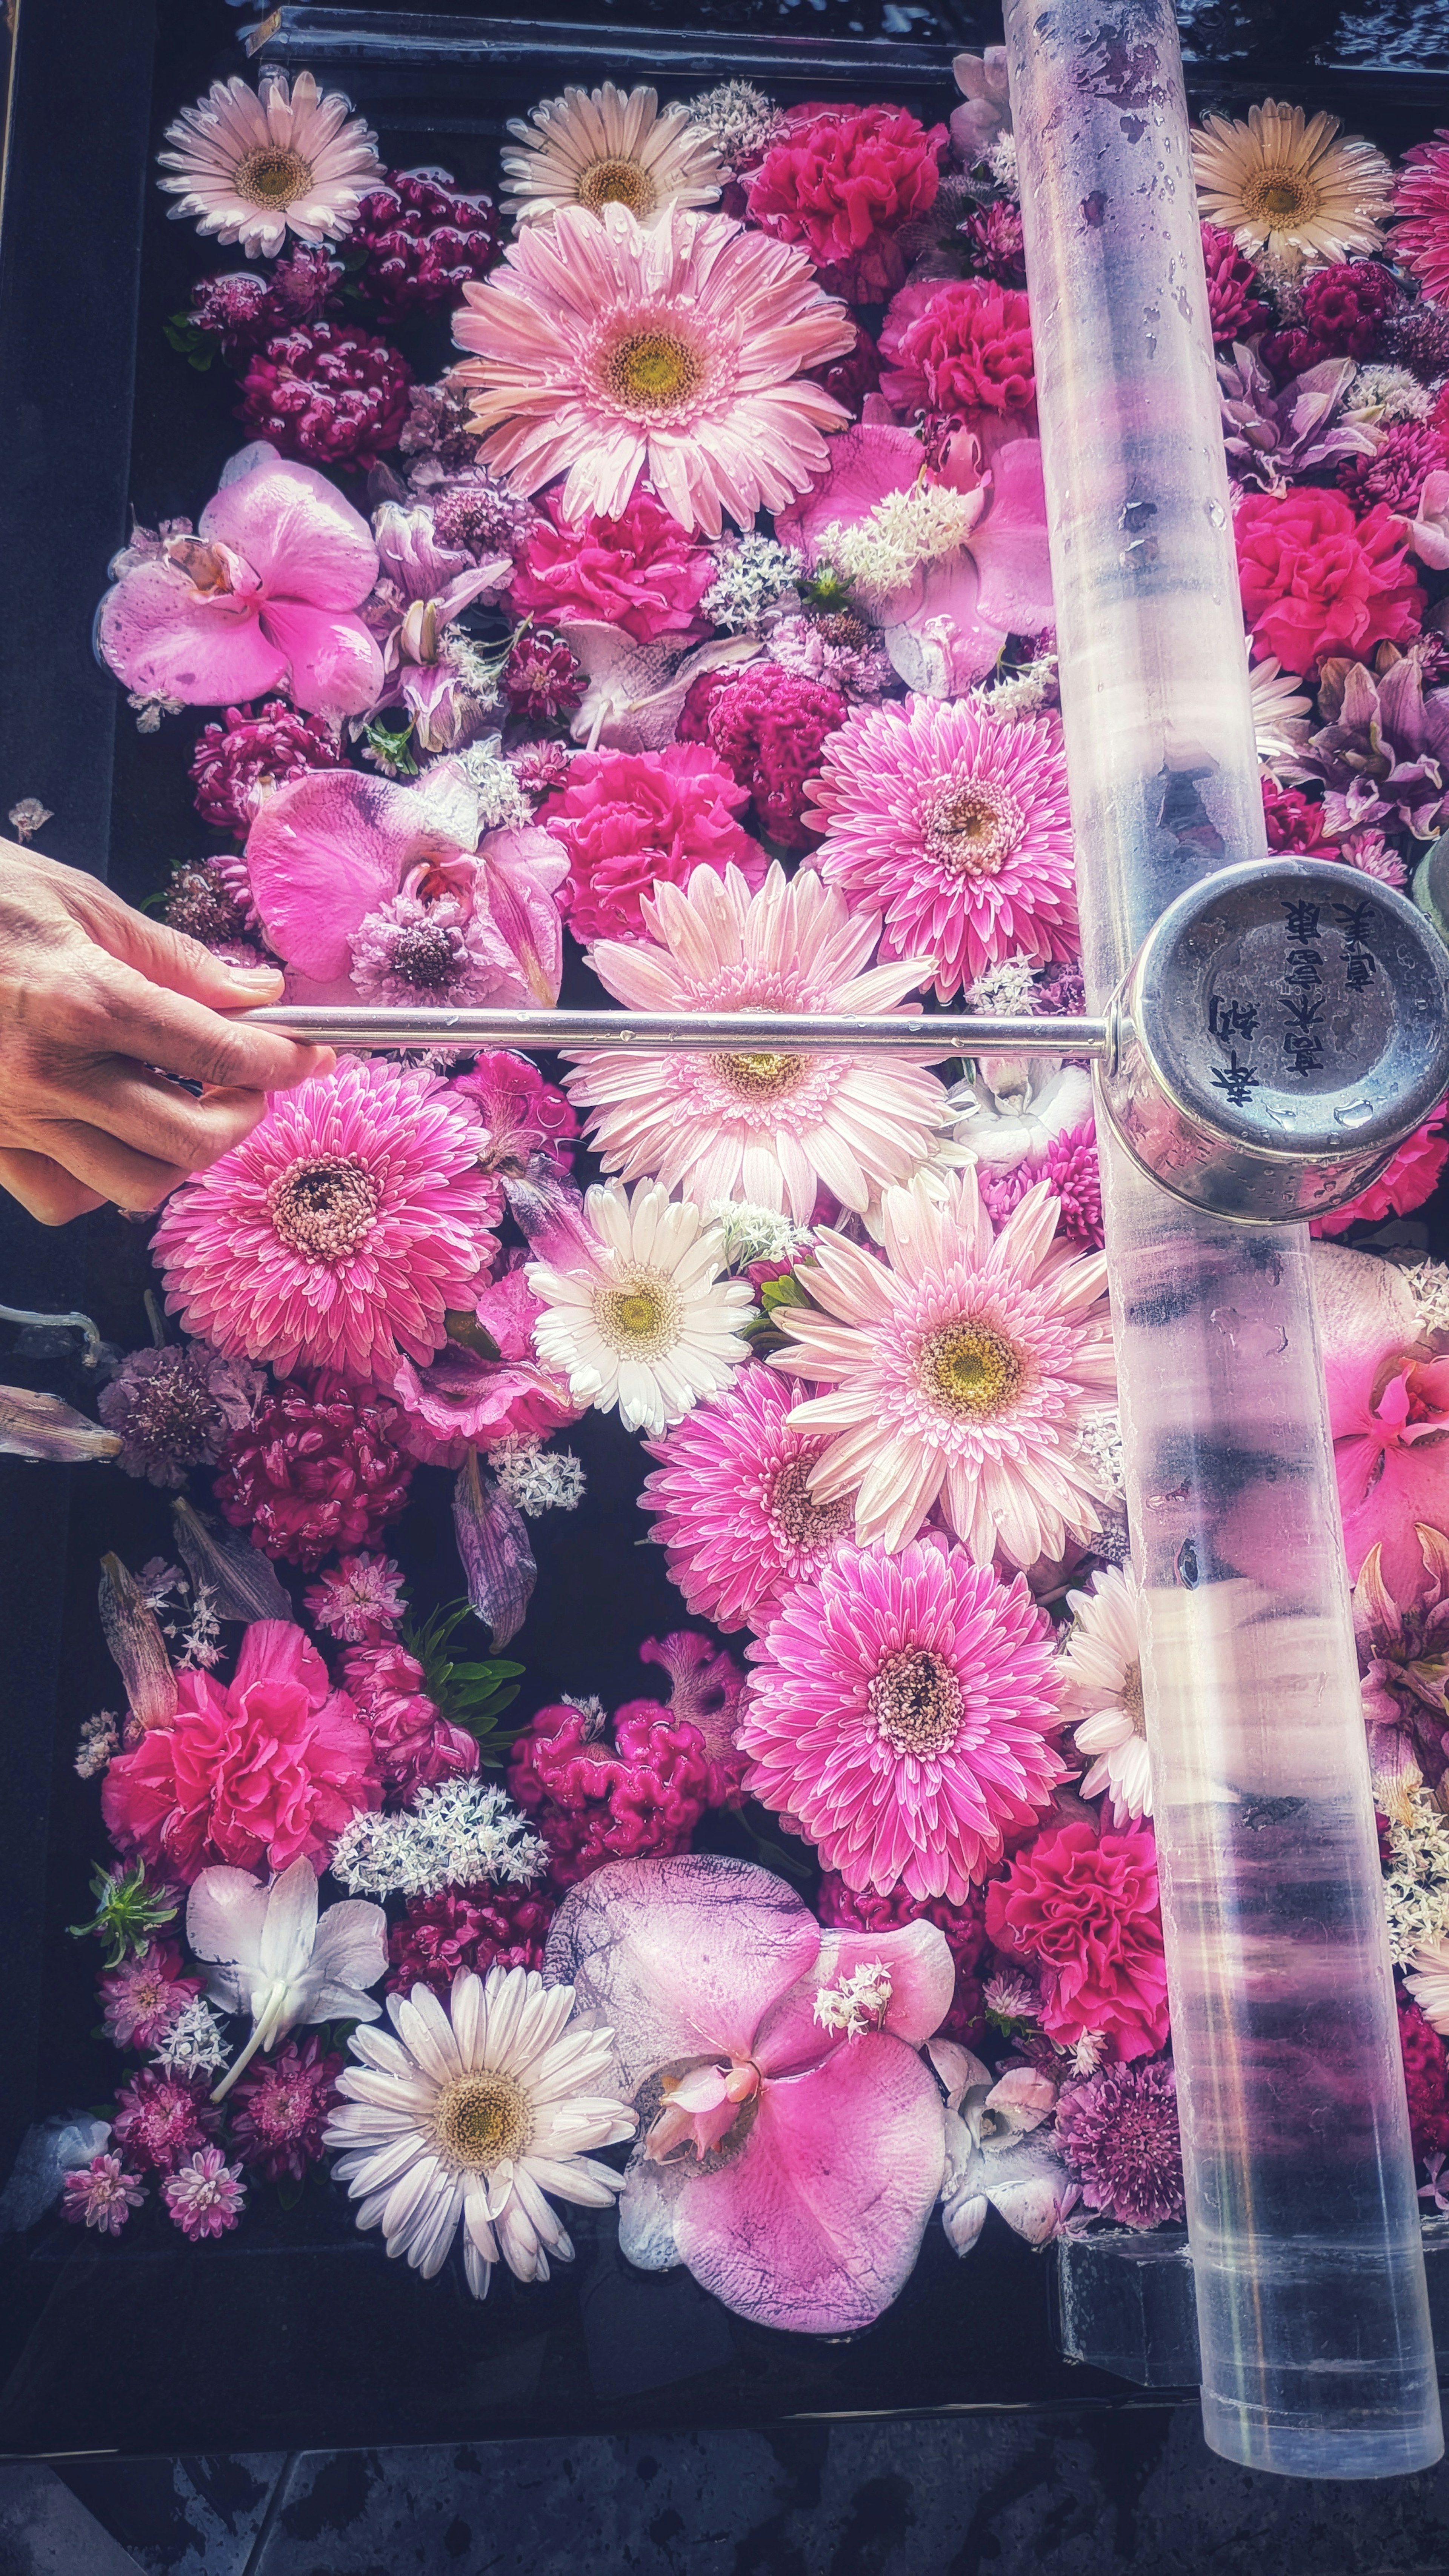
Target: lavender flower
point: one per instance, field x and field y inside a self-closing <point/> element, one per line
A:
<point x="1118" y="2132"/>
<point x="176" y="1408"/>
<point x="1273" y="438"/>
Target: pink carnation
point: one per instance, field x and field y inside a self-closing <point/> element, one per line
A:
<point x="143" y="1997"/>
<point x="639" y="572"/>
<point x="315" y="1471"/>
<point x="467" y="1927"/>
<point x="281" y="2106"/>
<point x="252" y="1774"/>
<point x="958" y="345"/>
<point x="161" y="2118"/>
<point x="411" y="1739"/>
<point x="1295" y="822"/>
<point x="769" y="726"/>
<point x="842" y="182"/>
<point x="1082" y="1910"/>
<point x="633" y="820"/>
<point x="1316" y="581"/>
<point x="1412" y="1176"/>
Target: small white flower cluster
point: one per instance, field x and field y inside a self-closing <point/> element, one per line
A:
<point x="535" y="1479"/>
<point x="1004" y="992"/>
<point x="754" y="1233"/>
<point x="201" y="1638"/>
<point x="878" y="556"/>
<point x="738" y="119"/>
<point x="1416" y="1882"/>
<point x="1101" y="1436"/>
<point x="503" y="805"/>
<point x="754" y="584"/>
<point x="457" y="1832"/>
<point x="1384" y="395"/>
<point x="1088" y="2053"/>
<point x="193" y="2043"/>
<point x="859" y="2003"/>
<point x="1022" y="693"/>
<point x="100" y="1737"/>
<point x="1001" y="162"/>
<point x="1429" y="1281"/>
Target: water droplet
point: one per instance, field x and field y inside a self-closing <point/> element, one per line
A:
<point x="1357" y="1114"/>
<point x="1217" y="515"/>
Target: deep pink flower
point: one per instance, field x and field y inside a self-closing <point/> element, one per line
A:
<point x="475" y="1393"/>
<point x="1118" y="2131"/>
<point x="1420" y="237"/>
<point x="769" y="727"/>
<point x="161" y="2118"/>
<point x="281" y="2106"/>
<point x="958" y="345"/>
<point x="1295" y="822"/>
<point x="411" y="1739"/>
<point x="844" y="1908"/>
<point x="319" y="1468"/>
<point x="253" y="1774"/>
<point x="852" y="377"/>
<point x="1411" y="1177"/>
<point x="732" y="1495"/>
<point x="237" y="763"/>
<point x="594" y="1799"/>
<point x="993" y="242"/>
<point x="1068" y="1163"/>
<point x="1081" y="1910"/>
<point x="543" y="679"/>
<point x="715" y="1979"/>
<point x="360" y="1599"/>
<point x="467" y="1927"/>
<point x="1346" y="305"/>
<point x="632" y="820"/>
<point x="205" y="2195"/>
<point x="1426" y="2079"/>
<point x="1398" y="469"/>
<point x="143" y="1997"/>
<point x="424" y="239"/>
<point x="842" y="182"/>
<point x="101" y="2195"/>
<point x="1235" y="308"/>
<point x="204" y="901"/>
<point x="328" y="392"/>
<point x="639" y="572"/>
<point x="1315" y="581"/>
<point x="245" y="307"/>
<point x="264" y="595"/>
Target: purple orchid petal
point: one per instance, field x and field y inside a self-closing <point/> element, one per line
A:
<point x="493" y="1543"/>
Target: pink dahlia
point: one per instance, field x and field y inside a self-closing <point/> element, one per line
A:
<point x="900" y="1715"/>
<point x="956" y="827"/>
<point x="735" y="1513"/>
<point x="412" y="1741"/>
<point x="958" y="346"/>
<point x="143" y="1997"/>
<point x="1082" y="1911"/>
<point x="963" y="1926"/>
<point x="205" y="2195"/>
<point x="961" y="1369"/>
<point x="1316" y="581"/>
<point x="280" y="2108"/>
<point x="466" y="1927"/>
<point x="843" y="182"/>
<point x="639" y="572"/>
<point x="317" y="1469"/>
<point x="1119" y="2134"/>
<point x="424" y="239"/>
<point x="1235" y="307"/>
<point x="611" y="352"/>
<point x="632" y="821"/>
<point x="238" y="762"/>
<point x="161" y="2118"/>
<point x="1404" y="1184"/>
<point x="342" y="1228"/>
<point x="101" y="2195"/>
<point x="764" y="1127"/>
<point x="254" y="1773"/>
<point x="360" y="1599"/>
<point x="1419" y="239"/>
<point x="327" y="393"/>
<point x="769" y="726"/>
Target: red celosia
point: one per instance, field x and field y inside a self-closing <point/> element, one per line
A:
<point x="767" y="725"/>
<point x="1316" y="581"/>
<point x="843" y="181"/>
<point x="993" y="243"/>
<point x="706" y="1686"/>
<point x="238" y="762"/>
<point x="1426" y="2079"/>
<point x="1295" y="822"/>
<point x="246" y="308"/>
<point x="1395" y="473"/>
<point x="1419" y="241"/>
<point x="466" y="1927"/>
<point x="957" y="345"/>
<point x="318" y="1469"/>
<point x="1082" y="1910"/>
<point x="631" y="820"/>
<point x="328" y="394"/>
<point x="593" y="1800"/>
<point x="641" y="572"/>
<point x="1234" y="306"/>
<point x="1404" y="1184"/>
<point x="424" y="240"/>
<point x="413" y="1742"/>
<point x="964" y="1926"/>
<point x="542" y="679"/>
<point x="281" y="2106"/>
<point x="1345" y="306"/>
<point x="161" y="2118"/>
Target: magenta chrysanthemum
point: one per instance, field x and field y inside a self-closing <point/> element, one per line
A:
<point x="957" y="828"/>
<point x="341" y="1230"/>
<point x="161" y="2118"/>
<point x="1419" y="239"/>
<point x="735" y="1511"/>
<point x="606" y="351"/>
<point x="280" y="2109"/>
<point x="205" y="2196"/>
<point x="1119" y="2134"/>
<point x="900" y="1715"/>
<point x="359" y="1600"/>
<point x="961" y="1369"/>
<point x="101" y="2195"/>
<point x="145" y="1995"/>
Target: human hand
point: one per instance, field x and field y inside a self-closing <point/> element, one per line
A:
<point x="98" y="1004"/>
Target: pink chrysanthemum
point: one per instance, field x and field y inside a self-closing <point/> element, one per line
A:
<point x="161" y="2118"/>
<point x="1068" y="1164"/>
<point x="1419" y="239"/>
<point x="360" y="1599"/>
<point x="466" y="1927"/>
<point x="341" y="1230"/>
<point x="961" y="1369"/>
<point x="280" y="2109"/>
<point x="735" y="1512"/>
<point x="101" y="2195"/>
<point x="900" y="1715"/>
<point x="609" y="352"/>
<point x="143" y="1997"/>
<point x="316" y="1470"/>
<point x="206" y="2195"/>
<point x="957" y="828"/>
<point x="762" y="1127"/>
<point x="1397" y="470"/>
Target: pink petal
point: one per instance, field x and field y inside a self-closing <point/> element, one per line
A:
<point x="323" y="853"/>
<point x="298" y="534"/>
<point x="274" y="1650"/>
<point x="817" y="2224"/>
<point x="335" y="665"/>
<point x="923" y="1982"/>
<point x="866" y="463"/>
<point x="1010" y="544"/>
<point x="163" y="638"/>
<point x="516" y="879"/>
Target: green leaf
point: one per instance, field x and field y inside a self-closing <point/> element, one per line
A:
<point x="196" y="346"/>
<point x="289" y="2191"/>
<point x="782" y="1292"/>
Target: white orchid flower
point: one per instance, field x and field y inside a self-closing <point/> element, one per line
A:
<point x="1017" y="1105"/>
<point x="996" y="2154"/>
<point x="272" y="1957"/>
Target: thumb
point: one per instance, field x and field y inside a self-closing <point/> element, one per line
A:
<point x="179" y="964"/>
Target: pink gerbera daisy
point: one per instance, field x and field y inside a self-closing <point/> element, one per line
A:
<point x="340" y="1231"/>
<point x="607" y="352"/>
<point x="763" y="1127"/>
<point x="961" y="1369"/>
<point x="956" y="826"/>
<point x="736" y="1514"/>
<point x="900" y="1715"/>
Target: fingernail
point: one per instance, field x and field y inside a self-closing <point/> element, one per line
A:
<point x="255" y="974"/>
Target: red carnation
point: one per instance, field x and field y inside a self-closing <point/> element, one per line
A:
<point x="237" y="763"/>
<point x="958" y="344"/>
<point x="631" y="820"/>
<point x="1082" y="1911"/>
<point x="964" y="1927"/>
<point x="1295" y="823"/>
<point x="466" y="1927"/>
<point x="327" y="394"/>
<point x="1316" y="581"/>
<point x="843" y="181"/>
<point x="1234" y="306"/>
<point x="314" y="1472"/>
<point x="424" y="240"/>
<point x="640" y="572"/>
<point x="1426" y="2079"/>
<point x="768" y="726"/>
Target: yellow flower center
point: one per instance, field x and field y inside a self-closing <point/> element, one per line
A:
<point x="323" y="1206"/>
<point x="760" y="1077"/>
<point x="917" y="1701"/>
<point x="639" y="1319"/>
<point x="480" y="2121"/>
<point x="270" y="176"/>
<point x="970" y="1368"/>
<point x="618" y="183"/>
<point x="654" y="371"/>
<point x="973" y="828"/>
<point x="1280" y="198"/>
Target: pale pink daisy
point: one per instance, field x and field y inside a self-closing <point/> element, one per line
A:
<point x="339" y="1232"/>
<point x="1101" y="1676"/>
<point x="251" y="166"/>
<point x="962" y="1370"/>
<point x="360" y="1599"/>
<point x="956" y="826"/>
<point x="759" y="1126"/>
<point x="205" y="2196"/>
<point x="736" y="1514"/>
<point x="605" y="351"/>
<point x="101" y="2195"/>
<point x="900" y="1715"/>
<point x="639" y="1314"/>
<point x="606" y="147"/>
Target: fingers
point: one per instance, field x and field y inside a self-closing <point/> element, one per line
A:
<point x="168" y="958"/>
<point x="106" y="1167"/>
<point x="129" y="1016"/>
<point x="47" y="1193"/>
<point x="165" y="1123"/>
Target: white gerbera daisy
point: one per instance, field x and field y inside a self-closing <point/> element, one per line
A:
<point x="1280" y="713"/>
<point x="599" y="148"/>
<point x="470" y="2114"/>
<point x="1101" y="1671"/>
<point x="642" y="1318"/>
<point x="251" y="165"/>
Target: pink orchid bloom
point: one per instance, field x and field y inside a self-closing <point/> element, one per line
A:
<point x="423" y="585"/>
<point x="484" y="1386"/>
<point x="1388" y="1409"/>
<point x="262" y="598"/>
<point x="945" y="627"/>
<point x="794" y="2164"/>
<point x="330" y="848"/>
<point x="636" y="690"/>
